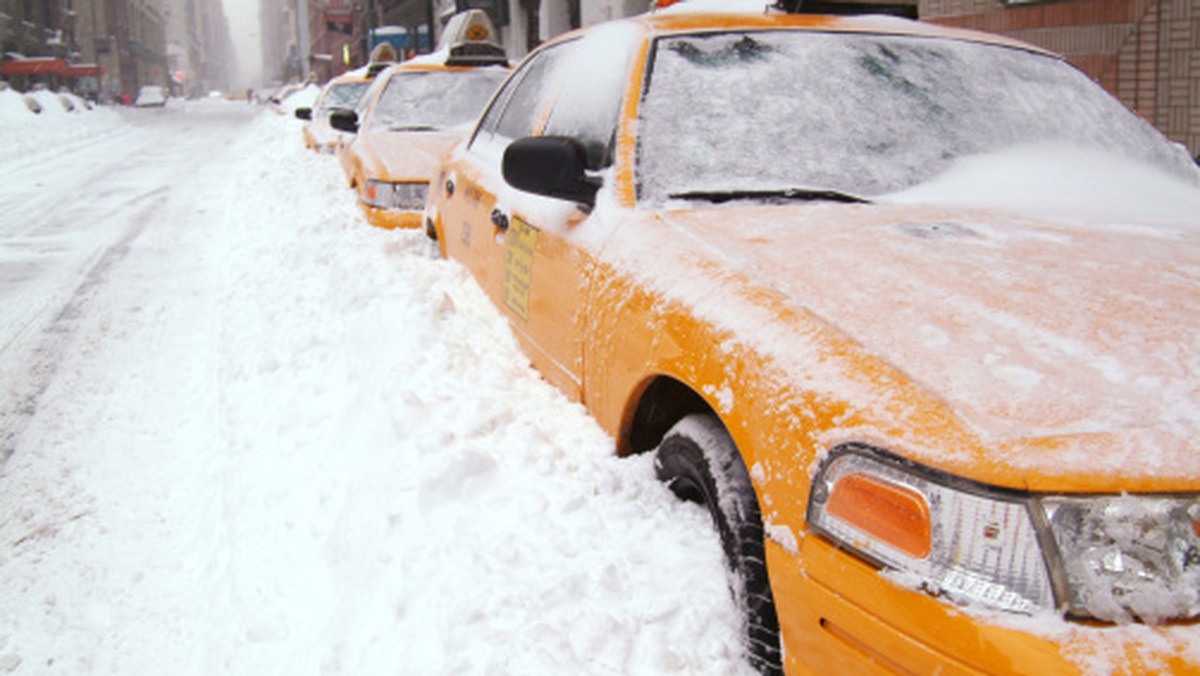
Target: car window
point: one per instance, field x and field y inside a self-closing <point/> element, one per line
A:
<point x="415" y="100"/>
<point x="518" y="117"/>
<point x="587" y="105"/>
<point x="573" y="89"/>
<point x="861" y="114"/>
<point x="342" y="96"/>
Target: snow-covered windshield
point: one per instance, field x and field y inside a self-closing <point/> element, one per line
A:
<point x="416" y="100"/>
<point x="343" y="96"/>
<point x="861" y="114"/>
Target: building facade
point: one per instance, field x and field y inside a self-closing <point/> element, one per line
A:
<point x="284" y="52"/>
<point x="104" y="49"/>
<point x="337" y="32"/>
<point x="38" y="41"/>
<point x="200" y="53"/>
<point x="1146" y="52"/>
<point x="127" y="40"/>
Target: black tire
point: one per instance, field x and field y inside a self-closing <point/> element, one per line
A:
<point x="699" y="462"/>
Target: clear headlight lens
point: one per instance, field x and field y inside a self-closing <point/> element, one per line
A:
<point x="400" y="196"/>
<point x="1113" y="558"/>
<point x="1129" y="557"/>
<point x="958" y="542"/>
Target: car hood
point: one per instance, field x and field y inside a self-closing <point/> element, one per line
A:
<point x="1024" y="327"/>
<point x="408" y="155"/>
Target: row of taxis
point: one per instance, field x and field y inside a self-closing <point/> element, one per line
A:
<point x="911" y="310"/>
<point x="412" y="113"/>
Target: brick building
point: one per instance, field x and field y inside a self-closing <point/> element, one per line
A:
<point x="1147" y="52"/>
<point x="337" y="41"/>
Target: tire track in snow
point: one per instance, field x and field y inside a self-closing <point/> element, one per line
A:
<point x="56" y="336"/>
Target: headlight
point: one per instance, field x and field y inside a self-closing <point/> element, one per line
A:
<point x="1110" y="558"/>
<point x="1129" y="556"/>
<point x="402" y="196"/>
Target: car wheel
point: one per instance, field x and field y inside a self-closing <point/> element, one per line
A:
<point x="699" y="462"/>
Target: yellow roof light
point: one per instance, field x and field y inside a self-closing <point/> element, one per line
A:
<point x="382" y="56"/>
<point x="471" y="40"/>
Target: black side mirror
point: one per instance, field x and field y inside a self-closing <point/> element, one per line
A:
<point x="553" y="166"/>
<point x="304" y="113"/>
<point x="344" y="120"/>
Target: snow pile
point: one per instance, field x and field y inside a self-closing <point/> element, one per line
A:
<point x="29" y="134"/>
<point x="1063" y="181"/>
<point x="304" y="97"/>
<point x="51" y="103"/>
<point x="283" y="442"/>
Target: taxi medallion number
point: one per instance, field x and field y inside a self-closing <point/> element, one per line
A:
<point x="520" y="243"/>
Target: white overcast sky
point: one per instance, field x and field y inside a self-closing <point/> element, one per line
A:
<point x="243" y="25"/>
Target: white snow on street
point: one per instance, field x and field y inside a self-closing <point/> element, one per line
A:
<point x="249" y="434"/>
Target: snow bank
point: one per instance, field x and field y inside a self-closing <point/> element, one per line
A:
<point x="28" y="134"/>
<point x="285" y="442"/>
<point x="304" y="97"/>
<point x="1064" y="181"/>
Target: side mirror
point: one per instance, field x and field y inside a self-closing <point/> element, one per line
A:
<point x="304" y="113"/>
<point x="553" y="166"/>
<point x="344" y="120"/>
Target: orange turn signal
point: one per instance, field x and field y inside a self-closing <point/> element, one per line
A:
<point x="896" y="515"/>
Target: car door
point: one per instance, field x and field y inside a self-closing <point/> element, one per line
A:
<point x="527" y="250"/>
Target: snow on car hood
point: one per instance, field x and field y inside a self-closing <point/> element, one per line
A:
<point x="1025" y="327"/>
<point x="405" y="155"/>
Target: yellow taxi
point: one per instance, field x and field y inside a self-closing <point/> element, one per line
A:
<point x="341" y="93"/>
<point x="414" y="112"/>
<point x="911" y="310"/>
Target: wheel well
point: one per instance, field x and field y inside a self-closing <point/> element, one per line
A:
<point x="664" y="402"/>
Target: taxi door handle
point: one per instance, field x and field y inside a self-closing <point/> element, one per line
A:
<point x="499" y="219"/>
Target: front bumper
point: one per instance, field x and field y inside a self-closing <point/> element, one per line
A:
<point x="839" y="615"/>
<point x="392" y="218"/>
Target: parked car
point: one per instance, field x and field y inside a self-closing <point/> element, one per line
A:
<point x="151" y="96"/>
<point x="340" y="94"/>
<point x="414" y="112"/>
<point x="911" y="310"/>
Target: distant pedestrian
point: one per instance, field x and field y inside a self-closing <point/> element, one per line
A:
<point x="249" y="96"/>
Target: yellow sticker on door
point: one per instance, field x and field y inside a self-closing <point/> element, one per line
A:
<point x="519" y="244"/>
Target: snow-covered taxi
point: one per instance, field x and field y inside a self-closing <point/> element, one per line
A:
<point x="340" y="93"/>
<point x="911" y="310"/>
<point x="413" y="113"/>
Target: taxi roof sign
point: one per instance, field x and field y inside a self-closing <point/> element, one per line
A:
<point x="471" y="40"/>
<point x="382" y="56"/>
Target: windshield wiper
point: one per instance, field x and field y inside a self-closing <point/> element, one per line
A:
<point x="412" y="127"/>
<point x="802" y="194"/>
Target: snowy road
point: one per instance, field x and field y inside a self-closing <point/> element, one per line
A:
<point x="247" y="434"/>
<point x="71" y="214"/>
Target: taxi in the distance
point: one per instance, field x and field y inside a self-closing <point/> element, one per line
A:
<point x="413" y="113"/>
<point x="340" y="94"/>
<point x="912" y="311"/>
